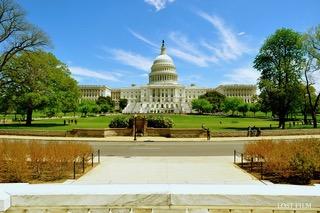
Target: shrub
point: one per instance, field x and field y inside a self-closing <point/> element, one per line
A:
<point x="120" y="122"/>
<point x="297" y="159"/>
<point x="15" y="165"/>
<point x="159" y="122"/>
<point x="52" y="160"/>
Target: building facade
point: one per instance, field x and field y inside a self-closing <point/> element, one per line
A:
<point x="92" y="92"/>
<point x="163" y="93"/>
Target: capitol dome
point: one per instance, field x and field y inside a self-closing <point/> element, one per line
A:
<point x="163" y="70"/>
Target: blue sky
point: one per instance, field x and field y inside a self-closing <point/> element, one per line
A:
<point x="212" y="42"/>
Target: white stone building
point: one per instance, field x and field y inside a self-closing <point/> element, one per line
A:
<point x="163" y="93"/>
<point x="92" y="92"/>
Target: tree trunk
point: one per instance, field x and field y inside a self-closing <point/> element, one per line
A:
<point x="314" y="119"/>
<point x="282" y="119"/>
<point x="29" y="117"/>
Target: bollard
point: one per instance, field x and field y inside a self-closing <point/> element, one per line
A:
<point x="241" y="160"/>
<point x="261" y="168"/>
<point x="98" y="155"/>
<point x="83" y="167"/>
<point x="74" y="169"/>
<point x="92" y="160"/>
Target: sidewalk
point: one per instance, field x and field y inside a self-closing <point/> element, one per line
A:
<point x="154" y="139"/>
<point x="167" y="170"/>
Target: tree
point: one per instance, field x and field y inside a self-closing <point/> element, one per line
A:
<point x="85" y="106"/>
<point x="254" y="107"/>
<point x="232" y="104"/>
<point x="105" y="108"/>
<point x="39" y="80"/>
<point x="105" y="100"/>
<point x="243" y="108"/>
<point x="123" y="103"/>
<point x="215" y="99"/>
<point x="280" y="60"/>
<point x="312" y="65"/>
<point x="201" y="105"/>
<point x="16" y="35"/>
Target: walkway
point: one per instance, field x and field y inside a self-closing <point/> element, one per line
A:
<point x="167" y="170"/>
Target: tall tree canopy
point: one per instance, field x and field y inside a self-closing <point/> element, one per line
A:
<point x="215" y="98"/>
<point x="16" y="34"/>
<point x="280" y="61"/>
<point x="312" y="66"/>
<point x="39" y="80"/>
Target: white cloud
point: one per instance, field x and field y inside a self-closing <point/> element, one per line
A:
<point x="230" y="47"/>
<point x="243" y="75"/>
<point x="81" y="72"/>
<point x="188" y="51"/>
<point x="158" y="4"/>
<point x="241" y="33"/>
<point x="131" y="59"/>
<point x="142" y="38"/>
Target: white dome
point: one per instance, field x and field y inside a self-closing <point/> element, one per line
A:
<point x="163" y="70"/>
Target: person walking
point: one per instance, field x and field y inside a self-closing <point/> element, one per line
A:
<point x="208" y="134"/>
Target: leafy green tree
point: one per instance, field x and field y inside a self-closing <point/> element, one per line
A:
<point x="231" y="104"/>
<point x="95" y="108"/>
<point x="16" y="35"/>
<point x="105" y="108"/>
<point x="105" y="100"/>
<point x="215" y="99"/>
<point x="123" y="103"/>
<point x="312" y="66"/>
<point x="280" y="61"/>
<point x="243" y="108"/>
<point x="85" y="106"/>
<point x="201" y="105"/>
<point x="39" y="80"/>
<point x="254" y="107"/>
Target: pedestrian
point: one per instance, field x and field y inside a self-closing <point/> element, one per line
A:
<point x="254" y="130"/>
<point x="208" y="134"/>
<point x="249" y="131"/>
<point x="75" y="121"/>
<point x="203" y="127"/>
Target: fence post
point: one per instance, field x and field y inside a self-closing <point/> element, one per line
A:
<point x="234" y="156"/>
<point x="74" y="169"/>
<point x="261" y="169"/>
<point x="251" y="164"/>
<point x="98" y="155"/>
<point x="241" y="160"/>
<point x="92" y="159"/>
<point x="82" y="164"/>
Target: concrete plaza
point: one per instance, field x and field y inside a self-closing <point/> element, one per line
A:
<point x="167" y="170"/>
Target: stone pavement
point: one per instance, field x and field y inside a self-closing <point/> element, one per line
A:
<point x="167" y="170"/>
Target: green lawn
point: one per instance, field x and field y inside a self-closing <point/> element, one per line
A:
<point x="215" y="123"/>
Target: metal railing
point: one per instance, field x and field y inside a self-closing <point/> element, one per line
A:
<point x="242" y="157"/>
<point x="83" y="162"/>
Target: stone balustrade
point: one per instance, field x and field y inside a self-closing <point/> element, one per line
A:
<point x="158" y="198"/>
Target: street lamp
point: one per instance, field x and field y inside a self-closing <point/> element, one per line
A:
<point x="135" y="127"/>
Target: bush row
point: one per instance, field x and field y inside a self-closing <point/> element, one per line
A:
<point x="155" y="121"/>
<point x="297" y="159"/>
<point x="20" y="161"/>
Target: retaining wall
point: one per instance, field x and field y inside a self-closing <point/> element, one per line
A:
<point x="154" y="132"/>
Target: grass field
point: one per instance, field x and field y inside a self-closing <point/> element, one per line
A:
<point x="215" y="123"/>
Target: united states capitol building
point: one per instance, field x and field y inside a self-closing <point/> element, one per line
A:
<point x="163" y="93"/>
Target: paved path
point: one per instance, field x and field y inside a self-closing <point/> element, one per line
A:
<point x="167" y="170"/>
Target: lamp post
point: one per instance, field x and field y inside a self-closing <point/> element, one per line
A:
<point x="135" y="127"/>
